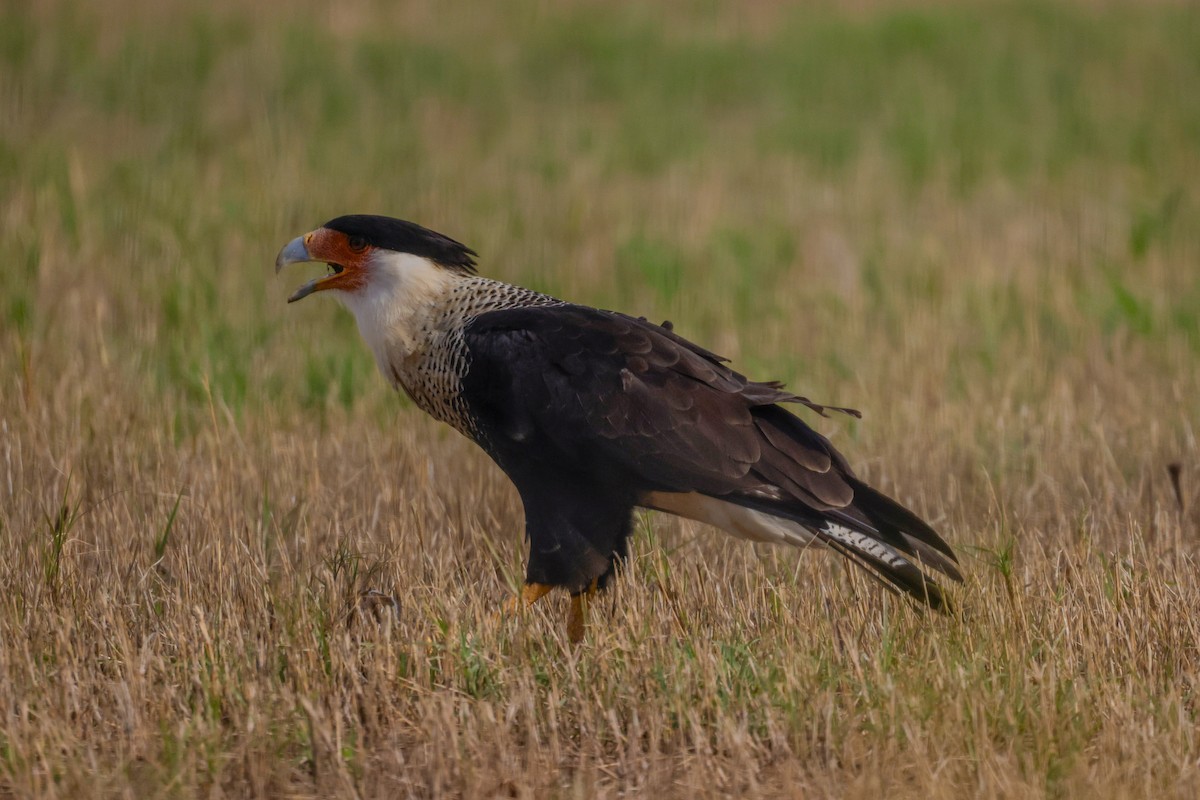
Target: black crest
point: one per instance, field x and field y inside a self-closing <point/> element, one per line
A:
<point x="406" y="237"/>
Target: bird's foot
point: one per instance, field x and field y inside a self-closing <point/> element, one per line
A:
<point x="576" y="615"/>
<point x="530" y="594"/>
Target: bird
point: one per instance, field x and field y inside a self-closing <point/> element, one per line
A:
<point x="593" y="414"/>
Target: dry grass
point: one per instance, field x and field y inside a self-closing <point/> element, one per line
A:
<point x="196" y="481"/>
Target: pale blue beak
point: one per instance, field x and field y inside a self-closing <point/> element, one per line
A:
<point x="293" y="253"/>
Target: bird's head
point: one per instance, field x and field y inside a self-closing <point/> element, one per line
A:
<point x="364" y="251"/>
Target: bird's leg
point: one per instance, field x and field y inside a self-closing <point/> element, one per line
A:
<point x="530" y="594"/>
<point x="577" y="617"/>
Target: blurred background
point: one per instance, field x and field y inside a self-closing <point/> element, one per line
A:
<point x="978" y="222"/>
<point x="802" y="186"/>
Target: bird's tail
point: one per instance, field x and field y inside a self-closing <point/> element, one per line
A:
<point x="891" y="543"/>
<point x="886" y="539"/>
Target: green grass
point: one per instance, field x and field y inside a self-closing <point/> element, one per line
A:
<point x="975" y="222"/>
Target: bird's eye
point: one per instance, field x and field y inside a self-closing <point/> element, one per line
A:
<point x="357" y="243"/>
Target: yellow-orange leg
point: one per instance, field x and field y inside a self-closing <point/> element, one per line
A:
<point x="577" y="617"/>
<point x="530" y="594"/>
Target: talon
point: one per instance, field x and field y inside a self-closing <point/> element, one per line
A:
<point x="530" y="594"/>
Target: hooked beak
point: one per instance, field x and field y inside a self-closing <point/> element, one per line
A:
<point x="293" y="253"/>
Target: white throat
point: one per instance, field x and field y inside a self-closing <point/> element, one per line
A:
<point x="399" y="306"/>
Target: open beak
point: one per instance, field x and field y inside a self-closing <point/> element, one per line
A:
<point x="296" y="251"/>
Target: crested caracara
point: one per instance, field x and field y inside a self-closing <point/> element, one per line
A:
<point x="594" y="413"/>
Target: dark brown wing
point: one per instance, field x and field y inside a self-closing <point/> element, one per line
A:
<point x="602" y="393"/>
<point x="671" y="413"/>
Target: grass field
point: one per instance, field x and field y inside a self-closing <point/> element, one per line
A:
<point x="979" y="223"/>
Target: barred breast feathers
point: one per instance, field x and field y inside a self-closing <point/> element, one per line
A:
<point x="412" y="317"/>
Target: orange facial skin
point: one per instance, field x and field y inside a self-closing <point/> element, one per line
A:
<point x="347" y="256"/>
